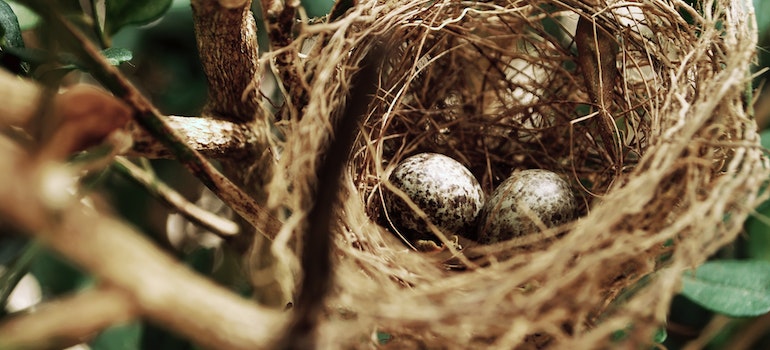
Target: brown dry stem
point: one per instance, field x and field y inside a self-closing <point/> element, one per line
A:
<point x="50" y="325"/>
<point x="597" y="51"/>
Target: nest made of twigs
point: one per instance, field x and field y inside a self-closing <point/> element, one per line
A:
<point x="496" y="85"/>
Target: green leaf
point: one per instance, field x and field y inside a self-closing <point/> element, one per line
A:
<point x="117" y="55"/>
<point x="28" y="19"/>
<point x="764" y="138"/>
<point x="50" y="68"/>
<point x="10" y="37"/>
<point x="11" y="276"/>
<point x="758" y="232"/>
<point x="9" y="25"/>
<point x="762" y="8"/>
<point x="122" y="337"/>
<point x="317" y="8"/>
<point x="730" y="287"/>
<point x="383" y="338"/>
<point x="660" y="335"/>
<point x="11" y="247"/>
<point x="120" y="13"/>
<point x="758" y="226"/>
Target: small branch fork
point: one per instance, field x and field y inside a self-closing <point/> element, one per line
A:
<point x="151" y="120"/>
<point x="149" y="282"/>
<point x="115" y="253"/>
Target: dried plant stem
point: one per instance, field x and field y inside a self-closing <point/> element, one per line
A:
<point x="596" y="57"/>
<point x="750" y="334"/>
<point x="223" y="227"/>
<point x="711" y="330"/>
<point x="319" y="229"/>
<point x="163" y="289"/>
<point x="50" y="325"/>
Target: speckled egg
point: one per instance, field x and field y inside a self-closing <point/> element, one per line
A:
<point x="442" y="187"/>
<point x="545" y="193"/>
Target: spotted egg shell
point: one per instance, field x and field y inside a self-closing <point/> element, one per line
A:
<point x="442" y="187"/>
<point x="544" y="193"/>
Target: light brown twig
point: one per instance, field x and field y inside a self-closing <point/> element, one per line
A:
<point x="164" y="290"/>
<point x="50" y="325"/>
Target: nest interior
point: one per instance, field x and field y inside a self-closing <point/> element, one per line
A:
<point x="500" y="86"/>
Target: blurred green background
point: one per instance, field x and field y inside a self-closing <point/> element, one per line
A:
<point x="166" y="67"/>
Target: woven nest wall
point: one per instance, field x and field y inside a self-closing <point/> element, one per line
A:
<point x="497" y="86"/>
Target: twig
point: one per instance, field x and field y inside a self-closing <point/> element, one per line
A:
<point x="50" y="325"/>
<point x="280" y="20"/>
<point x="164" y="290"/>
<point x="210" y="221"/>
<point x="19" y="99"/>
<point x="317" y="238"/>
<point x="596" y="57"/>
<point x="750" y="334"/>
<point x="150" y="119"/>
<point x="213" y="138"/>
<point x="714" y="327"/>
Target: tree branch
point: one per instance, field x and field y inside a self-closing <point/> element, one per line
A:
<point x="50" y="325"/>
<point x="213" y="138"/>
<point x="227" y="43"/>
<point x="21" y="98"/>
<point x="164" y="290"/>
<point x="217" y="225"/>
<point x="150" y="119"/>
<point x="319" y="228"/>
<point x="596" y="58"/>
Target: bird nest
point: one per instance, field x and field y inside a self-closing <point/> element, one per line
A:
<point x="663" y="155"/>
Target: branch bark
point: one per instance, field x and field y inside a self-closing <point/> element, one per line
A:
<point x="216" y="224"/>
<point x="227" y="42"/>
<point x="21" y="100"/>
<point x="213" y="138"/>
<point x="280" y="19"/>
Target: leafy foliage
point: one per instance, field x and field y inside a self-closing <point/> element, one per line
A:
<point x="10" y="37"/>
<point x="9" y="25"/>
<point x="733" y="288"/>
<point x="317" y="8"/>
<point x="120" y="13"/>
